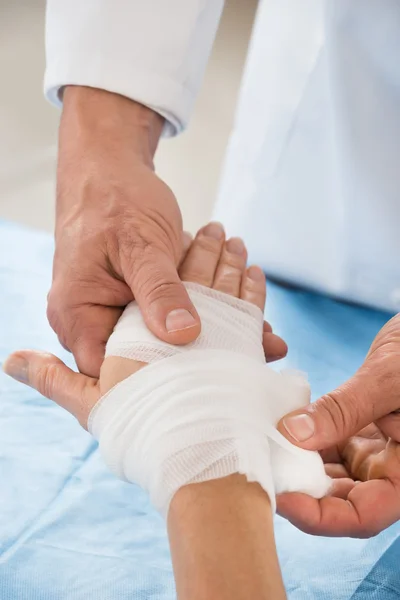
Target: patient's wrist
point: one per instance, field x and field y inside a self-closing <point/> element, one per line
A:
<point x="222" y="541"/>
<point x="204" y="499"/>
<point x="115" y="369"/>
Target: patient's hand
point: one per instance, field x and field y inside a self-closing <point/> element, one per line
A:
<point x="366" y="494"/>
<point x="210" y="261"/>
<point x="243" y="562"/>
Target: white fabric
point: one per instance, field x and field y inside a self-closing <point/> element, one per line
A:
<point x="311" y="179"/>
<point x="205" y="410"/>
<point x="227" y="323"/>
<point x="152" y="51"/>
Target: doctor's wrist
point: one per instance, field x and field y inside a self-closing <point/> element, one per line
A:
<point x="95" y="117"/>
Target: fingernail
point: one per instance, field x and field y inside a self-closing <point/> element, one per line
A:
<point x="17" y="368"/>
<point x="213" y="230"/>
<point x="256" y="274"/>
<point x="300" y="427"/>
<point x="235" y="246"/>
<point x="179" y="319"/>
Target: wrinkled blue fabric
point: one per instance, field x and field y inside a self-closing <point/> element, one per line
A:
<point x="70" y="530"/>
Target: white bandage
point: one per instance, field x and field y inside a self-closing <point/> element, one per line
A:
<point x="205" y="410"/>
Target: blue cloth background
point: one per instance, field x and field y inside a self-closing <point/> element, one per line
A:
<point x="69" y="530"/>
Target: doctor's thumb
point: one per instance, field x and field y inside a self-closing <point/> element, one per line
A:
<point x="326" y="422"/>
<point x="163" y="299"/>
<point x="369" y="395"/>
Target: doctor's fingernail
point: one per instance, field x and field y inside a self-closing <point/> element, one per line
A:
<point x="214" y="230"/>
<point x="17" y="368"/>
<point x="300" y="427"/>
<point x="179" y="319"/>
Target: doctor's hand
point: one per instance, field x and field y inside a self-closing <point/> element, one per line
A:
<point x="356" y="428"/>
<point x="118" y="229"/>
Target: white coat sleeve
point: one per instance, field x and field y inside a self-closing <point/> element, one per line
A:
<point x="152" y="51"/>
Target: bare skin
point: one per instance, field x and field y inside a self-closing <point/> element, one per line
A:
<point x="366" y="495"/>
<point x="119" y="236"/>
<point x="356" y="428"/>
<point x="222" y="542"/>
<point x="214" y="263"/>
<point x="221" y="532"/>
<point x="118" y="229"/>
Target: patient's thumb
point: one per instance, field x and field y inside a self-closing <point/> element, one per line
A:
<point x="332" y="418"/>
<point x="48" y="375"/>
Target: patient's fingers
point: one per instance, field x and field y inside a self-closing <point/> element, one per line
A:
<point x="48" y="375"/>
<point x="231" y="267"/>
<point x="274" y="347"/>
<point x="254" y="287"/>
<point x="254" y="290"/>
<point x="186" y="243"/>
<point x="203" y="255"/>
<point x="187" y="240"/>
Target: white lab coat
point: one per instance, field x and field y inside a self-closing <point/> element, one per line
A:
<point x="312" y="174"/>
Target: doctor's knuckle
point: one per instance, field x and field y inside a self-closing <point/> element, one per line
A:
<point x="162" y="290"/>
<point x="341" y="411"/>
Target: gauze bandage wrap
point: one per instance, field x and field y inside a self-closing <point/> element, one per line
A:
<point x="205" y="410"/>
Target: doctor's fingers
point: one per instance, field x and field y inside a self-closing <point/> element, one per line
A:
<point x="369" y="508"/>
<point x="390" y="425"/>
<point x="48" y="375"/>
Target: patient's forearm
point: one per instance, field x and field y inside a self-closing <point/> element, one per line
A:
<point x="222" y="542"/>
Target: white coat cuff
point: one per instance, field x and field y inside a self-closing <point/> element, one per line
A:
<point x="144" y="87"/>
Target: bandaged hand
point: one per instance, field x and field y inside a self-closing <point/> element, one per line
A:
<point x="197" y="412"/>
